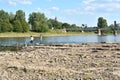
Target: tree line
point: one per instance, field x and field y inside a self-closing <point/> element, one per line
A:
<point x="10" y="22"/>
<point x="37" y="22"/>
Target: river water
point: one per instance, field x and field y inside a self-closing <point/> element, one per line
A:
<point x="59" y="39"/>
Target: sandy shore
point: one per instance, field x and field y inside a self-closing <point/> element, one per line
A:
<point x="91" y="61"/>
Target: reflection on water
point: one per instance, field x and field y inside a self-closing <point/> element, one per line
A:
<point x="109" y="38"/>
<point x="60" y="39"/>
<point x="12" y="40"/>
<point x="102" y="38"/>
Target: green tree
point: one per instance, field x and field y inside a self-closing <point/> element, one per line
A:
<point x="111" y="26"/>
<point x="5" y="25"/>
<point x="66" y="25"/>
<point x="11" y="17"/>
<point x="57" y="24"/>
<point x="4" y="16"/>
<point x="20" y="15"/>
<point x="17" y="27"/>
<point x="102" y="23"/>
<point x="20" y="18"/>
<point x="38" y="22"/>
<point x="44" y="27"/>
<point x="50" y="23"/>
<point x="25" y="26"/>
<point x="73" y="26"/>
<point x="54" y="23"/>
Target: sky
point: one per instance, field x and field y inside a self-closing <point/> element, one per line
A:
<point x="71" y="11"/>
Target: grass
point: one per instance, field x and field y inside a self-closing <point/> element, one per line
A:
<point x="13" y="34"/>
<point x="10" y="48"/>
<point x="50" y="33"/>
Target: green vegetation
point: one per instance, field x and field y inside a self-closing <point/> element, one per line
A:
<point x="37" y="22"/>
<point x="10" y="48"/>
<point x="13" y="23"/>
<point x="102" y="23"/>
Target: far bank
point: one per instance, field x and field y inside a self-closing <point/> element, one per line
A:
<point x="55" y="33"/>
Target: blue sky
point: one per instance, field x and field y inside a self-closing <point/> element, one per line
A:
<point x="71" y="11"/>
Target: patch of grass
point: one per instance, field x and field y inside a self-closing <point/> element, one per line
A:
<point x="50" y="33"/>
<point x="13" y="34"/>
<point x="10" y="48"/>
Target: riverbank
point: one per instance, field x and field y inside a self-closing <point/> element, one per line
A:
<point x="90" y="61"/>
<point x="28" y="34"/>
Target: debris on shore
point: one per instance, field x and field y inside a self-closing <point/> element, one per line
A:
<point x="90" y="61"/>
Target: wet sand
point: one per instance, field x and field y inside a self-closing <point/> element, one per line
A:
<point x="91" y="61"/>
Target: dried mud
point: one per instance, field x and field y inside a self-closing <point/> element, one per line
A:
<point x="91" y="61"/>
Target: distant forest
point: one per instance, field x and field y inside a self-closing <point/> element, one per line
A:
<point x="37" y="22"/>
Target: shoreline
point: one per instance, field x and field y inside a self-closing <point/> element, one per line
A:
<point x="12" y="34"/>
<point x="18" y="47"/>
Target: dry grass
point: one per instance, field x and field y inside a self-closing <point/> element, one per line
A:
<point x="91" y="61"/>
<point x="13" y="34"/>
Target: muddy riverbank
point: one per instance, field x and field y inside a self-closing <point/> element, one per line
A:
<point x="91" y="61"/>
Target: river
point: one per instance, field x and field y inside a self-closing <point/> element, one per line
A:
<point x="8" y="41"/>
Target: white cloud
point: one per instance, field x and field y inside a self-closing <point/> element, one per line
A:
<point x="49" y="0"/>
<point x="15" y="2"/>
<point x="88" y="1"/>
<point x="54" y="8"/>
<point x="48" y="10"/>
<point x="12" y="3"/>
<point x="24" y="1"/>
<point x="73" y="11"/>
<point x="105" y="5"/>
<point x="45" y="11"/>
<point x="90" y="8"/>
<point x="95" y="7"/>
